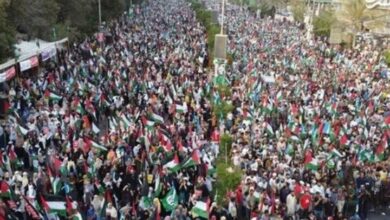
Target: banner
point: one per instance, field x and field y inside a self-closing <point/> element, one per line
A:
<point x="48" y="53"/>
<point x="8" y="74"/>
<point x="28" y="64"/>
<point x="370" y="4"/>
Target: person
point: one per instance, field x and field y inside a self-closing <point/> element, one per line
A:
<point x="363" y="199"/>
<point x="291" y="203"/>
<point x="318" y="204"/>
<point x="111" y="212"/>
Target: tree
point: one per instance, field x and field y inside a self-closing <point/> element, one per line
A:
<point x="355" y="17"/>
<point x="323" y="22"/>
<point x="76" y="18"/>
<point x="298" y="10"/>
<point x="112" y="8"/>
<point x="6" y="33"/>
<point x="34" y="18"/>
<point x="386" y="55"/>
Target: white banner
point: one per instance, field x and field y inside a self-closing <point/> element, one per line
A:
<point x="48" y="53"/>
<point x="374" y="3"/>
<point x="28" y="64"/>
<point x="7" y="75"/>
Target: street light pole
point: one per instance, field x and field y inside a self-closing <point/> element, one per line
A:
<point x="223" y="15"/>
<point x="100" y="13"/>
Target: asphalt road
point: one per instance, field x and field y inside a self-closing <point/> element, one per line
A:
<point x="377" y="215"/>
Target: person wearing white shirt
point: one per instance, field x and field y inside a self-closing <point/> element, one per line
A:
<point x="291" y="203"/>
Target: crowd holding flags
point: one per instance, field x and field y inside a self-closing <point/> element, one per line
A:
<point x="126" y="129"/>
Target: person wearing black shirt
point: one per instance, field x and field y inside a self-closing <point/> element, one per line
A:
<point x="329" y="208"/>
<point x="318" y="206"/>
<point x="363" y="197"/>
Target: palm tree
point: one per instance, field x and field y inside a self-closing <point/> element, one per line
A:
<point x="298" y="8"/>
<point x="355" y="17"/>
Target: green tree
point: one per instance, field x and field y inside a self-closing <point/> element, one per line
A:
<point x="76" y="18"/>
<point x="386" y="55"/>
<point x="34" y="18"/>
<point x="323" y="22"/>
<point x="298" y="10"/>
<point x="355" y="17"/>
<point x="111" y="9"/>
<point x="6" y="33"/>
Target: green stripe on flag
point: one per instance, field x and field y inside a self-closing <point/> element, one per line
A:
<point x="200" y="210"/>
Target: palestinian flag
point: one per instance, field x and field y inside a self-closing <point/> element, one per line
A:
<point x="294" y="138"/>
<point x="157" y="118"/>
<point x="336" y="153"/>
<point x="200" y="210"/>
<point x="380" y="150"/>
<point x="21" y="130"/>
<point x="95" y="145"/>
<point x="289" y="149"/>
<point x="181" y="108"/>
<point x="269" y="108"/>
<point x="192" y="161"/>
<point x="5" y="190"/>
<point x="313" y="165"/>
<point x="149" y="124"/>
<point x="80" y="109"/>
<point x="125" y="121"/>
<point x="100" y="188"/>
<point x="95" y="128"/>
<point x="344" y="140"/>
<point x="294" y="109"/>
<point x="31" y="211"/>
<point x="331" y="108"/>
<point x="270" y="131"/>
<point x="157" y="186"/>
<point x="77" y="216"/>
<point x="173" y="165"/>
<point x="55" y="182"/>
<point x="89" y="107"/>
<point x="52" y="96"/>
<point x="56" y="185"/>
<point x="165" y="141"/>
<point x="60" y="167"/>
<point x="211" y="170"/>
<point x="143" y="139"/>
<point x="279" y="96"/>
<point x="57" y="207"/>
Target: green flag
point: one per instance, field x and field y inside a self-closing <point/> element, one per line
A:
<point x="170" y="201"/>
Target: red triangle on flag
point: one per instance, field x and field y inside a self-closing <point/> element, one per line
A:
<point x="344" y="139"/>
<point x="69" y="207"/>
<point x="195" y="157"/>
<point x="387" y="119"/>
<point x="44" y="204"/>
<point x="308" y="157"/>
<point x="4" y="187"/>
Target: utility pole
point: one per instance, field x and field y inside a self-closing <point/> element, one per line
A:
<point x="223" y="15"/>
<point x="100" y="14"/>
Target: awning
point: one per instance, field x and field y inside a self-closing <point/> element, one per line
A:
<point x="29" y="63"/>
<point x="48" y="53"/>
<point x="8" y="74"/>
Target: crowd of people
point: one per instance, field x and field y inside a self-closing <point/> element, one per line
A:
<point x="125" y="129"/>
<point x="115" y="130"/>
<point x="311" y="122"/>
